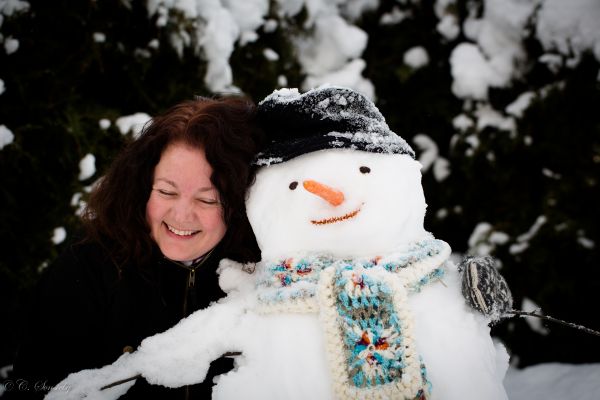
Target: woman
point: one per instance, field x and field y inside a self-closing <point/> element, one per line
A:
<point x="169" y="208"/>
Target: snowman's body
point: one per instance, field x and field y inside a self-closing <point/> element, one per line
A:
<point x="344" y="205"/>
<point x="454" y="342"/>
<point x="288" y="357"/>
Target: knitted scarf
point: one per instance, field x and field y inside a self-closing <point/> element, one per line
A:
<point x="363" y="305"/>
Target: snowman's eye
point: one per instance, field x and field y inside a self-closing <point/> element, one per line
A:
<point x="365" y="170"/>
<point x="293" y="185"/>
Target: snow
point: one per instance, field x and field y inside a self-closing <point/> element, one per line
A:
<point x="87" y="167"/>
<point x="554" y="62"/>
<point x="494" y="56"/>
<point x="430" y="157"/>
<point x="349" y="76"/>
<point x="11" y="45"/>
<point x="329" y="52"/>
<point x="488" y="117"/>
<point x="104" y="124"/>
<point x="59" y="235"/>
<point x="99" y="37"/>
<point x="6" y="136"/>
<point x="518" y="107"/>
<point x="554" y="381"/>
<point x="550" y="174"/>
<point x="9" y="7"/>
<point x="472" y="73"/>
<point x="493" y="61"/>
<point x="132" y="123"/>
<point x="462" y="123"/>
<point x="522" y="242"/>
<point x="484" y="239"/>
<point x="354" y="9"/>
<point x="448" y="26"/>
<point x="393" y="17"/>
<point x="416" y="57"/>
<point x="271" y="54"/>
<point x="570" y="28"/>
<point x="584" y="241"/>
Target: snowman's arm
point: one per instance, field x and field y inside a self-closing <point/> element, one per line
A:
<point x="182" y="355"/>
<point x="484" y="289"/>
<point x="177" y="357"/>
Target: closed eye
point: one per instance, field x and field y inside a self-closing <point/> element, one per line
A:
<point x="165" y="192"/>
<point x="208" y="202"/>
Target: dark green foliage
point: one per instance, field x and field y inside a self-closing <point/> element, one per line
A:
<point x="558" y="270"/>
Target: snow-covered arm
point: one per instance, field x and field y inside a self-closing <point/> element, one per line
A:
<point x="484" y="288"/>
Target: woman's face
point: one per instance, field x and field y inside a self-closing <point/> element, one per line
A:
<point x="184" y="210"/>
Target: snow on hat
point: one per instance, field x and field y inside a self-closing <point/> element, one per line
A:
<point x="327" y="117"/>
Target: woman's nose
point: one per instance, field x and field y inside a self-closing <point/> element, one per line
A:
<point x="329" y="194"/>
<point x="183" y="211"/>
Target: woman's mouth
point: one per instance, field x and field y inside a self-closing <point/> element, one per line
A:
<point x="181" y="232"/>
<point x="333" y="220"/>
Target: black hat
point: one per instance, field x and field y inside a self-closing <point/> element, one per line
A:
<point x="327" y="117"/>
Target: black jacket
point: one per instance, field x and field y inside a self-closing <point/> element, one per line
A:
<point x="85" y="315"/>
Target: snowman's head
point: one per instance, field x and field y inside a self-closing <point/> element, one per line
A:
<point x="334" y="179"/>
<point x="343" y="202"/>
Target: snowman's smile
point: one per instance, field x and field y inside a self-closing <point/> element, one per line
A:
<point x="333" y="220"/>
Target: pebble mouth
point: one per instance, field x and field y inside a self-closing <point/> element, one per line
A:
<point x="333" y="220"/>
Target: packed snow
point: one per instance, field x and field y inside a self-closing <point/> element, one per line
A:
<point x="554" y="381"/>
<point x="416" y="57"/>
<point x="430" y="157"/>
<point x="59" y="235"/>
<point x="6" y="136"/>
<point x="133" y="123"/>
<point x="104" y="124"/>
<point x="522" y="241"/>
<point x="87" y="167"/>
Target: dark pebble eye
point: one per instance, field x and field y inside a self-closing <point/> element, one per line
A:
<point x="293" y="185"/>
<point x="365" y="170"/>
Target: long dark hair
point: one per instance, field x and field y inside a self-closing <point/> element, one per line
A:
<point x="226" y="130"/>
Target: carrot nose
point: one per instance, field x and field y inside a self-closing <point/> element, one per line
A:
<point x="334" y="197"/>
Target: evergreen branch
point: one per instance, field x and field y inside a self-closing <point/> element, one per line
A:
<point x="520" y="313"/>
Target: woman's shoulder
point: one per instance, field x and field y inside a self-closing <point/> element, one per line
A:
<point x="82" y="263"/>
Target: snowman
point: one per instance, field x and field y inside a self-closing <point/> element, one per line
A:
<point x="352" y="299"/>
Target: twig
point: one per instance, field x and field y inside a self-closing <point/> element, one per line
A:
<point x="117" y="383"/>
<point x="548" y="318"/>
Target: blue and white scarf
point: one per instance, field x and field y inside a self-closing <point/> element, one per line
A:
<point x="363" y="305"/>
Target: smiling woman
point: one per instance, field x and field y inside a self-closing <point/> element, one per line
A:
<point x="183" y="211"/>
<point x="168" y="209"/>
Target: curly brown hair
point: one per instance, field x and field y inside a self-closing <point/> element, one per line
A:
<point x="226" y="130"/>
